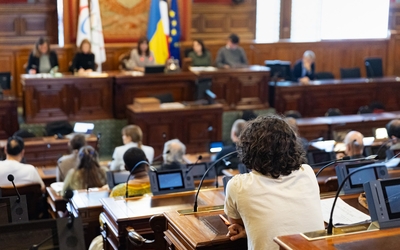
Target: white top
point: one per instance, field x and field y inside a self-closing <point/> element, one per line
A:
<point x="274" y="207"/>
<point x="65" y="163"/>
<point x="118" y="160"/>
<point x="23" y="173"/>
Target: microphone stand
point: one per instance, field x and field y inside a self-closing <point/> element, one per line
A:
<point x="344" y="160"/>
<point x="204" y="176"/>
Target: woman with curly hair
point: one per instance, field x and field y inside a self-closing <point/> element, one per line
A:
<point x="281" y="194"/>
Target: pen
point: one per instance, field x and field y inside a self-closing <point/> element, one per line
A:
<point x="226" y="222"/>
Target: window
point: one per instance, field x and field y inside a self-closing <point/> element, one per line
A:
<point x="268" y="20"/>
<point x="314" y="20"/>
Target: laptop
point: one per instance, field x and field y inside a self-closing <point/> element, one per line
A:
<point x="83" y="128"/>
<point x="154" y="69"/>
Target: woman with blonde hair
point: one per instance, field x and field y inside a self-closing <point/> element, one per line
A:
<point x="132" y="136"/>
<point x="42" y="59"/>
<point x="89" y="173"/>
<point x="84" y="59"/>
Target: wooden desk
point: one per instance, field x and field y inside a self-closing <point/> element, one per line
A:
<point x="48" y="174"/>
<point x="199" y="231"/>
<point x="57" y="204"/>
<point x="195" y="126"/>
<point x="45" y="151"/>
<point x="240" y="88"/>
<point x="348" y="95"/>
<point x="8" y="117"/>
<point x="67" y="98"/>
<point x="136" y="212"/>
<point x="87" y="206"/>
<point x="311" y="128"/>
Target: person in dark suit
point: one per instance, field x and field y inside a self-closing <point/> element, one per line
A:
<point x="304" y="69"/>
<point x="42" y="59"/>
<point x="84" y="59"/>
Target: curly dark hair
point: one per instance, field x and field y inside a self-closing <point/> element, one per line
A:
<point x="269" y="146"/>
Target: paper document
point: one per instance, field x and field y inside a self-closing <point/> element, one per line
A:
<point x="343" y="214"/>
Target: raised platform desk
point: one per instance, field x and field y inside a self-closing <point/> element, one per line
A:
<point x="314" y="99"/>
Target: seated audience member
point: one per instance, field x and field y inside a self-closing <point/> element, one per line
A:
<point x="84" y="59"/>
<point x="23" y="173"/>
<point x="139" y="184"/>
<point x="281" y="190"/>
<point x="354" y="145"/>
<point x="293" y="124"/>
<point x="88" y="174"/>
<point x="141" y="56"/>
<point x="236" y="129"/>
<point x="71" y="161"/>
<point x="304" y="69"/>
<point x="173" y="152"/>
<point x="42" y="59"/>
<point x="132" y="136"/>
<point x="232" y="55"/>
<point x="393" y="131"/>
<point x="200" y="55"/>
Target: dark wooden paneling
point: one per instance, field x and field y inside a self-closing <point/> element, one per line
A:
<point x="8" y="117"/>
<point x="217" y="21"/>
<point x="67" y="98"/>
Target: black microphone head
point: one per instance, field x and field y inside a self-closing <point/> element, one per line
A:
<point x="167" y="152"/>
<point x="200" y="157"/>
<point x="346" y="158"/>
<point x="10" y="177"/>
<point x="68" y="194"/>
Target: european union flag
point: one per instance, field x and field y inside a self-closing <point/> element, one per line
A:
<point x="175" y="30"/>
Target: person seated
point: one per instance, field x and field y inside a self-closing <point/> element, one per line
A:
<point x="200" y="55"/>
<point x="293" y="124"/>
<point x="23" y="173"/>
<point x="141" y="56"/>
<point x="132" y="136"/>
<point x="71" y="161"/>
<point x="280" y="184"/>
<point x="304" y="69"/>
<point x="139" y="184"/>
<point x="173" y="152"/>
<point x="393" y="131"/>
<point x="236" y="129"/>
<point x="232" y="55"/>
<point x="42" y="59"/>
<point x="354" y="145"/>
<point x="88" y="174"/>
<point x="84" y="59"/>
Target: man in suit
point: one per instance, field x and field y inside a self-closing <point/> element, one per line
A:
<point x="304" y="69"/>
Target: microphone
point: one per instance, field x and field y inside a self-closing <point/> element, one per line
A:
<point x="98" y="141"/>
<point x="197" y="161"/>
<point x="10" y="178"/>
<point x="160" y="155"/>
<point x="330" y="224"/>
<point x="383" y="144"/>
<point x="68" y="196"/>
<point x="344" y="159"/>
<point x="204" y="176"/>
<point x="129" y="176"/>
<point x="36" y="246"/>
<point x="369" y="67"/>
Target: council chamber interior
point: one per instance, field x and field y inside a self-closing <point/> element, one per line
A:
<point x="354" y="87"/>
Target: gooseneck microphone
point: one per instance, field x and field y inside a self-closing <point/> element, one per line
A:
<point x="68" y="196"/>
<point x="204" y="176"/>
<point x="130" y="174"/>
<point x="330" y="224"/>
<point x="344" y="159"/>
<point x="10" y="177"/>
<point x="160" y="155"/>
<point x="197" y="161"/>
<point x="383" y="144"/>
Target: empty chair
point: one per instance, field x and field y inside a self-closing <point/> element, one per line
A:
<point x="324" y="75"/>
<point x="333" y="112"/>
<point x="374" y="67"/>
<point x="346" y="73"/>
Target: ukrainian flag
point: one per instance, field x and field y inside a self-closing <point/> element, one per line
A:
<point x="158" y="30"/>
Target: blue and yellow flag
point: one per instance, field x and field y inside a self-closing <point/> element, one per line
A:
<point x="175" y="30"/>
<point x="158" y="30"/>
